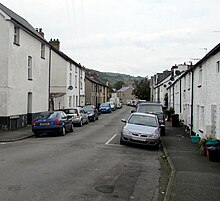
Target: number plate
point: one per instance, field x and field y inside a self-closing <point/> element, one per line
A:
<point x="45" y="123"/>
<point x="138" y="138"/>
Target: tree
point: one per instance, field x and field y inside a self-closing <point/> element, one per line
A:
<point x="142" y="89"/>
<point x="118" y="85"/>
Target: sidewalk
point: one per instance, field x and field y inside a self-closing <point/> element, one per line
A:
<point x="15" y="135"/>
<point x="193" y="176"/>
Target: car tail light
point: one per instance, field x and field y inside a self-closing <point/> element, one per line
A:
<point x="33" y="123"/>
<point x="57" y="121"/>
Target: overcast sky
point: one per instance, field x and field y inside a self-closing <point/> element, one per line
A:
<point x="135" y="37"/>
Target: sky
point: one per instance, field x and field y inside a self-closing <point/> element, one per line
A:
<point x="134" y="37"/>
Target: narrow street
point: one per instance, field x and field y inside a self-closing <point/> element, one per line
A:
<point x="88" y="164"/>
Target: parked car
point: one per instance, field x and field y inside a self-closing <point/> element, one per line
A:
<point x="153" y="108"/>
<point x="52" y="122"/>
<point x="113" y="106"/>
<point x="78" y="115"/>
<point x="105" y="108"/>
<point x="92" y="112"/>
<point x="141" y="128"/>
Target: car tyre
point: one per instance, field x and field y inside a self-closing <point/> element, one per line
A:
<point x="81" y="123"/>
<point x="63" y="131"/>
<point x="36" y="134"/>
<point x="122" y="142"/>
<point x="72" y="128"/>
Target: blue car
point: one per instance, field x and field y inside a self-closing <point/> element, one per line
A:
<point x="52" y="122"/>
<point x="105" y="108"/>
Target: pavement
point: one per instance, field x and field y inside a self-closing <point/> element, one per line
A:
<point x="193" y="176"/>
<point x="15" y="135"/>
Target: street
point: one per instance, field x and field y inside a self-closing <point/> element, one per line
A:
<point x="88" y="164"/>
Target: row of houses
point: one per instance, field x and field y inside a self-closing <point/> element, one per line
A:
<point x="192" y="92"/>
<point x="35" y="76"/>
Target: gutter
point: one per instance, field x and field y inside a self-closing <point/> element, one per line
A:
<point x="49" y="99"/>
<point x="192" y="94"/>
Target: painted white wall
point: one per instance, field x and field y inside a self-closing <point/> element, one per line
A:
<point x="14" y="77"/>
<point x="206" y="97"/>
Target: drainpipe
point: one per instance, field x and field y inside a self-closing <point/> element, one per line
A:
<point x="180" y="96"/>
<point x="49" y="80"/>
<point x="173" y="97"/>
<point x="192" y="94"/>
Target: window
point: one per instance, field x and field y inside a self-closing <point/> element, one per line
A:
<point x="75" y="69"/>
<point x="75" y="81"/>
<point x="70" y="80"/>
<point x="200" y="77"/>
<point x="42" y="50"/>
<point x="71" y="67"/>
<point x="81" y="85"/>
<point x="70" y="101"/>
<point x="218" y="66"/>
<point x="16" y="35"/>
<point x="29" y="67"/>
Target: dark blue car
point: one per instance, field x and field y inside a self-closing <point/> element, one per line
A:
<point x="105" y="108"/>
<point x="52" y="122"/>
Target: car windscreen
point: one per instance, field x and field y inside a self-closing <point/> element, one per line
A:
<point x="88" y="108"/>
<point x="70" y="111"/>
<point x="143" y="120"/>
<point x="157" y="109"/>
<point x="104" y="105"/>
<point x="47" y="115"/>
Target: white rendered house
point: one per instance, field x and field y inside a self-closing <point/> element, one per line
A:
<point x="24" y="71"/>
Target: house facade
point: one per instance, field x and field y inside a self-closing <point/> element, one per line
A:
<point x="67" y="80"/>
<point x="96" y="92"/>
<point x="24" y="71"/>
<point x="125" y="93"/>
<point x="195" y="98"/>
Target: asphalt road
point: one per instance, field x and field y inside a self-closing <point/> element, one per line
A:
<point x="86" y="165"/>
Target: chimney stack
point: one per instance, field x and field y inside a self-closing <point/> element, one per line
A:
<point x="55" y="43"/>
<point x="41" y="32"/>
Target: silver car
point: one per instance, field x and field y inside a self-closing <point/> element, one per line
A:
<point x="78" y="115"/>
<point x="141" y="128"/>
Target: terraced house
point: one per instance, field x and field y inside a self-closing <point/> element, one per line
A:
<point x="35" y="76"/>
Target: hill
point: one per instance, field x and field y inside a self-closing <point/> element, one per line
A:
<point x="112" y="78"/>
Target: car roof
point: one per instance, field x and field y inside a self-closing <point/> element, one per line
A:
<point x="150" y="103"/>
<point x="144" y="114"/>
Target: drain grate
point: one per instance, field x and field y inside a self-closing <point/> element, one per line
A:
<point x="105" y="188"/>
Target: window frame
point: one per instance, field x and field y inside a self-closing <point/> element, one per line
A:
<point x="16" y="35"/>
<point x="30" y="67"/>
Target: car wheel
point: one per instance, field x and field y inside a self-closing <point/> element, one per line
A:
<point x="63" y="132"/>
<point x="72" y="128"/>
<point x="122" y="142"/>
<point x="36" y="134"/>
<point x="81" y="123"/>
<point x="156" y="147"/>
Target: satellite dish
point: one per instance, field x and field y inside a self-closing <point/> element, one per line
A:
<point x="70" y="87"/>
<point x="165" y="85"/>
<point x="169" y="83"/>
<point x="177" y="72"/>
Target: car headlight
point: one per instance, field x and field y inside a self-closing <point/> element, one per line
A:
<point x="161" y="121"/>
<point x="126" y="132"/>
<point x="154" y="135"/>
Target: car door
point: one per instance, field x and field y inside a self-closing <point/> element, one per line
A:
<point x="66" y="121"/>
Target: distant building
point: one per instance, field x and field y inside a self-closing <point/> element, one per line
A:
<point x="125" y="93"/>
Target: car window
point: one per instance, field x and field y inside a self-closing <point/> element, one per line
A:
<point x="150" y="109"/>
<point x="47" y="115"/>
<point x="143" y="120"/>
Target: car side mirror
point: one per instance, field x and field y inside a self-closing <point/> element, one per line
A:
<point x="123" y="120"/>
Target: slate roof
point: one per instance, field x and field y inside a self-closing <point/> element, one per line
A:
<point x="19" y="20"/>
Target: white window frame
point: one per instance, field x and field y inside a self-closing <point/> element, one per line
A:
<point x="16" y="35"/>
<point x="43" y="50"/>
<point x="29" y="65"/>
